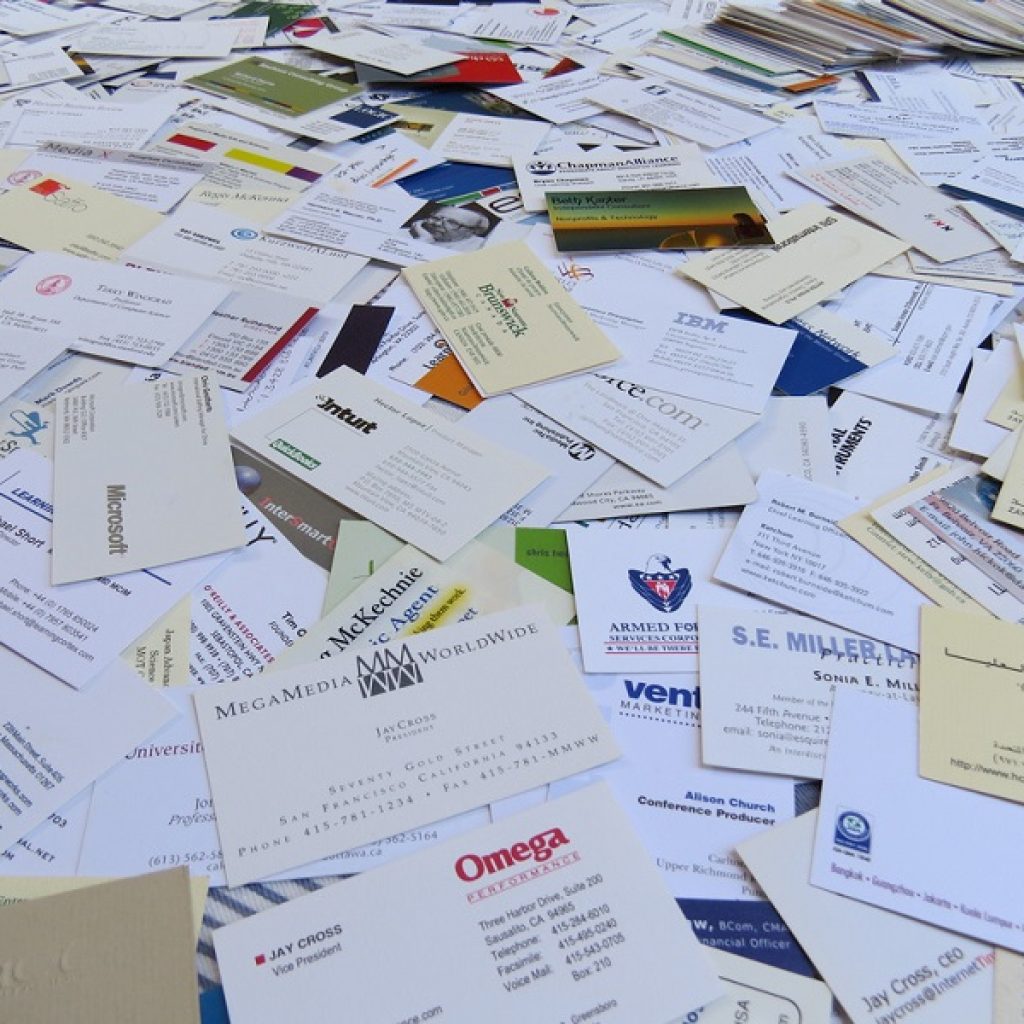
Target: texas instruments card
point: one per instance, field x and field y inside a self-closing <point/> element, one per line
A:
<point x="311" y="761"/>
<point x="553" y="915"/>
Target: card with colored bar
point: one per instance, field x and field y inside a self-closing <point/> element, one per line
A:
<point x="685" y="218"/>
<point x="241" y="161"/>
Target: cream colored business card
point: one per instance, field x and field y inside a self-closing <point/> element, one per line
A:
<point x="15" y="889"/>
<point x="58" y="214"/>
<point x="817" y="252"/>
<point x="507" y="318"/>
<point x="1009" y="506"/>
<point x="972" y="700"/>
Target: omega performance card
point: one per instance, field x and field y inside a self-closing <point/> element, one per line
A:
<point x="554" y="915"/>
<point x="311" y="761"/>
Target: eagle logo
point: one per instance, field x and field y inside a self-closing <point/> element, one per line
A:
<point x="666" y="589"/>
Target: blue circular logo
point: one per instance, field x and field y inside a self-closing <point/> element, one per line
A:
<point x="246" y="234"/>
<point x="853" y="827"/>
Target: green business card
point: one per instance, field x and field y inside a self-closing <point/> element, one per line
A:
<point x="273" y="86"/>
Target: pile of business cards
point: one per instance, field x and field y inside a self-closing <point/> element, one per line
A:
<point x="511" y="512"/>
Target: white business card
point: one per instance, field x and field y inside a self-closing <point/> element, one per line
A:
<point x="554" y="914"/>
<point x="433" y="483"/>
<point x="370" y="745"/>
<point x="786" y="548"/>
<point x="105" y="310"/>
<point x="74" y="630"/>
<point x="690" y="816"/>
<point x="173" y="820"/>
<point x="120" y="504"/>
<point x="719" y="359"/>
<point x="55" y="741"/>
<point x="767" y="680"/>
<point x="882" y="967"/>
<point x="637" y="596"/>
<point x="659" y="434"/>
<point x="881" y="828"/>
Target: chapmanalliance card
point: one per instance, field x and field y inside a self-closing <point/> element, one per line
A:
<point x="554" y="914"/>
<point x="368" y="745"/>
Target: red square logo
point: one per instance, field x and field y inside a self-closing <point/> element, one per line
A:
<point x="261" y="959"/>
<point x="47" y="188"/>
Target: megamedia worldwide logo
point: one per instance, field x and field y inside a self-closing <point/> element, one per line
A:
<point x="387" y="671"/>
<point x="665" y="590"/>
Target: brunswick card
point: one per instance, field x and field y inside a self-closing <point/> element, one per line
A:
<point x="507" y="318"/>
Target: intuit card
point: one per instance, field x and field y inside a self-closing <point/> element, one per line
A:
<point x="433" y="483"/>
